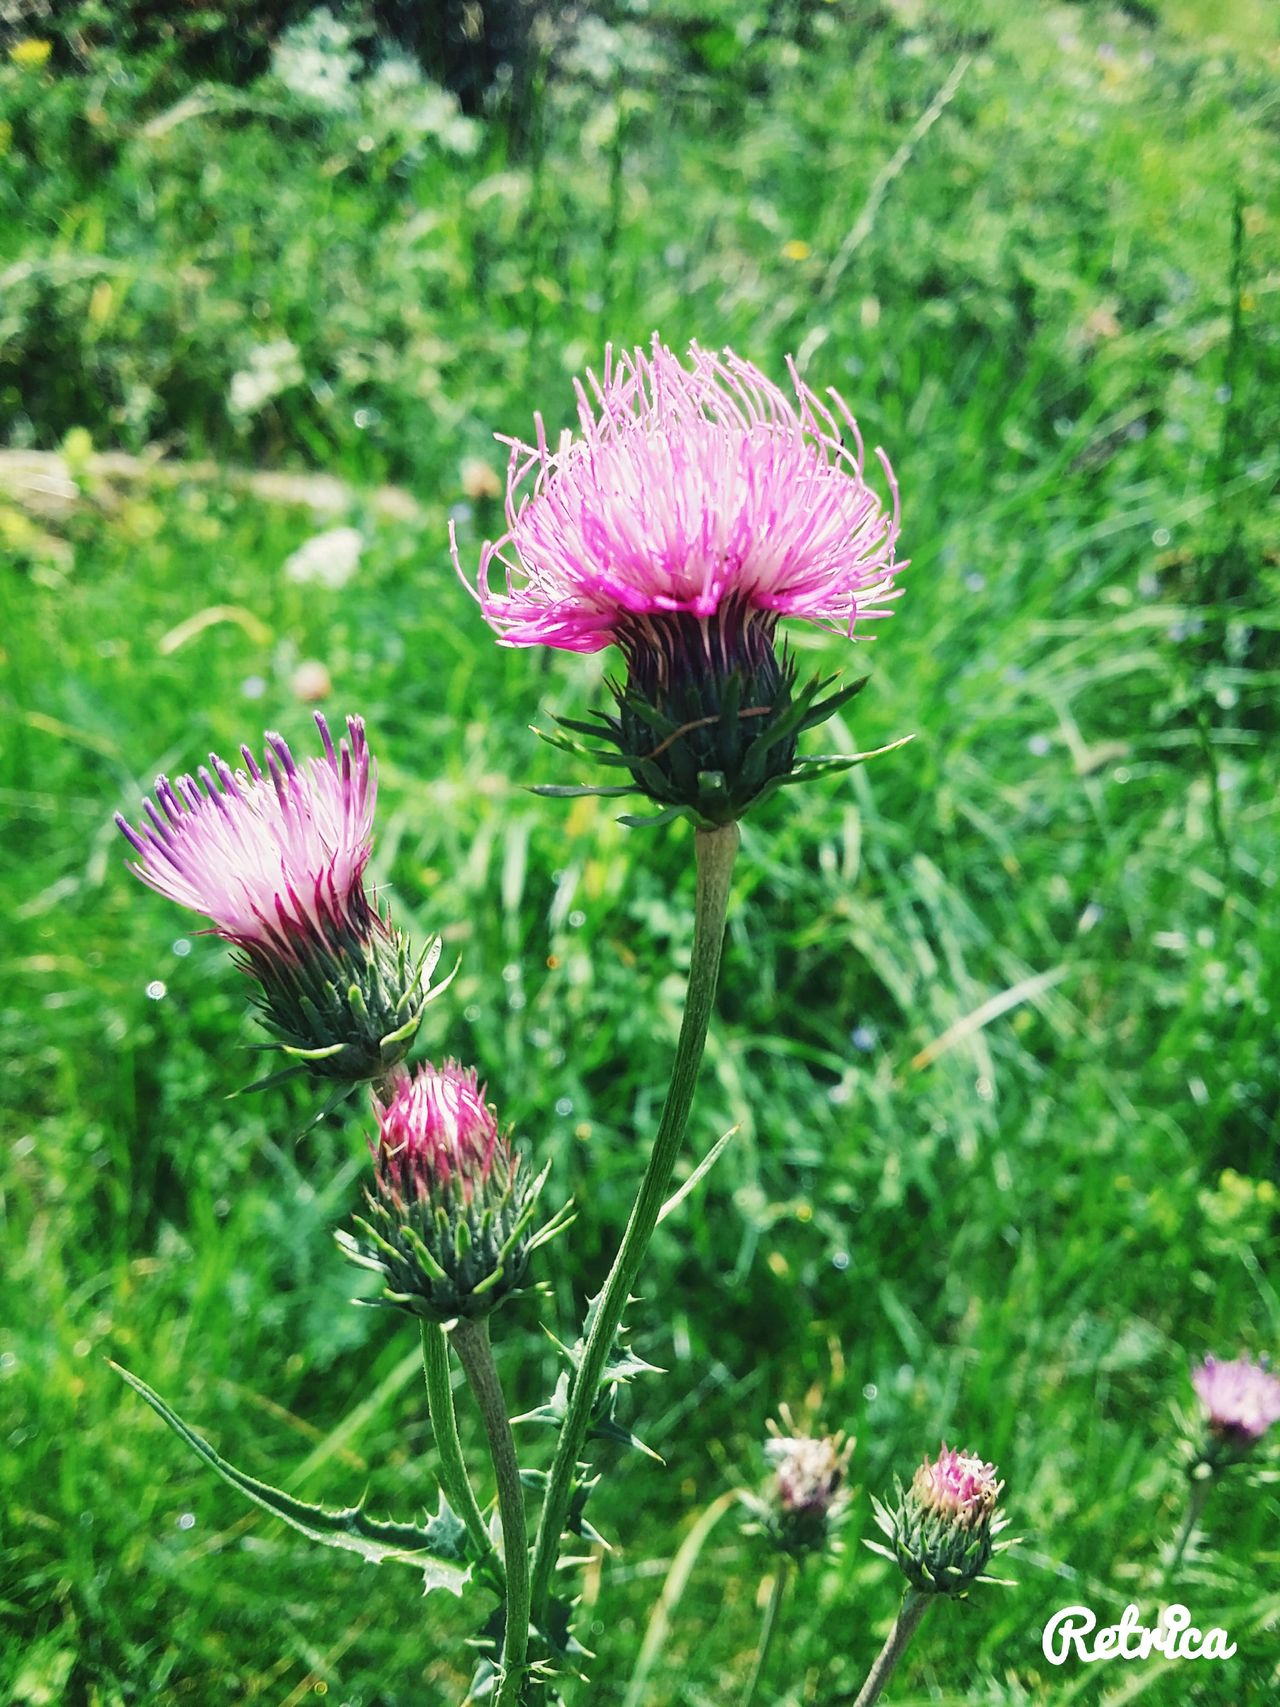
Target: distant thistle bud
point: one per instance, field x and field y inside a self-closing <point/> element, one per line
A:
<point x="807" y="1497"/>
<point x="448" y="1216"/>
<point x="697" y="505"/>
<point x="276" y="856"/>
<point x="942" y="1529"/>
<point x="1241" y="1401"/>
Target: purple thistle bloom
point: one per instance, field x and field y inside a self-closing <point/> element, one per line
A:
<point x="690" y="490"/>
<point x="1242" y="1399"/>
<point x="697" y="504"/>
<point x="275" y="856"/>
<point x="271" y="857"/>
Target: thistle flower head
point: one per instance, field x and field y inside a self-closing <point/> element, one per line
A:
<point x="697" y="504"/>
<point x="689" y="489"/>
<point x="1241" y="1400"/>
<point x="274" y="855"/>
<point x="448" y="1215"/>
<point x="807" y="1497"/>
<point x="269" y="853"/>
<point x="957" y="1487"/>
<point x="942" y="1529"/>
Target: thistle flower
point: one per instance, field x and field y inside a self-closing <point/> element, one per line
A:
<point x="275" y="857"/>
<point x="1241" y="1400"/>
<point x="807" y="1497"/>
<point x="450" y="1207"/>
<point x="698" y="504"/>
<point x="942" y="1529"/>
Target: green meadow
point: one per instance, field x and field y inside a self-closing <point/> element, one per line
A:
<point x="997" y="1026"/>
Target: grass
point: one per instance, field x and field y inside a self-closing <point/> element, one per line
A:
<point x="997" y="1022"/>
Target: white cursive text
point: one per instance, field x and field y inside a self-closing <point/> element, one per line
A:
<point x="1174" y="1636"/>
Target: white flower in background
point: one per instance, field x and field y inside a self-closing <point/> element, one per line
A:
<point x="399" y="100"/>
<point x="327" y="559"/>
<point x="315" y="61"/>
<point x="270" y="369"/>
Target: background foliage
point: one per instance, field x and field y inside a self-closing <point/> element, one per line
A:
<point x="998" y="1015"/>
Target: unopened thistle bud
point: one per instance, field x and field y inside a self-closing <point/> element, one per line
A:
<point x="942" y="1529"/>
<point x="275" y="856"/>
<point x="697" y="505"/>
<point x="1241" y="1401"/>
<point x="448" y="1217"/>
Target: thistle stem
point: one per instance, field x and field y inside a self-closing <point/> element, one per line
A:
<point x="453" y="1471"/>
<point x="771" y="1613"/>
<point x="913" y="1608"/>
<point x="471" y="1342"/>
<point x="1195" y="1507"/>
<point x="715" y="854"/>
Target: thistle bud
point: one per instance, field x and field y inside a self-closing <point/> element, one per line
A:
<point x="942" y="1529"/>
<point x="1241" y="1400"/>
<point x="807" y="1498"/>
<point x="275" y="856"/>
<point x="447" y="1222"/>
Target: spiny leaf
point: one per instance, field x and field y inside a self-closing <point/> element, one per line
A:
<point x="439" y="1548"/>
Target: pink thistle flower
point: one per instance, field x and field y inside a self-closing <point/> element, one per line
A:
<point x="436" y="1135"/>
<point x="272" y="857"/>
<point x="690" y="489"/>
<point x="449" y="1212"/>
<point x="1241" y="1398"/>
<point x="698" y="503"/>
<point x="942" y="1529"/>
<point x="275" y="856"/>
<point x="958" y="1487"/>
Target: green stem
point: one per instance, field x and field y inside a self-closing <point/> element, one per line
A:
<point x="1195" y="1507"/>
<point x="715" y="854"/>
<point x="453" y="1471"/>
<point x="471" y="1342"/>
<point x="913" y="1608"/>
<point x="767" y="1629"/>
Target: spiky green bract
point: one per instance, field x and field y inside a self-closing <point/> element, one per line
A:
<point x="448" y="1218"/>
<point x="942" y="1530"/>
<point x="345" y="999"/>
<point x="709" y="716"/>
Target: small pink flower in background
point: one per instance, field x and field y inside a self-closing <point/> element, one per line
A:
<point x="689" y="489"/>
<point x="958" y="1487"/>
<point x="808" y="1496"/>
<point x="275" y="856"/>
<point x="269" y="856"/>
<point x="1242" y="1398"/>
<point x="447" y="1219"/>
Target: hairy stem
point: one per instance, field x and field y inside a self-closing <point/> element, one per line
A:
<point x="913" y="1608"/>
<point x="471" y="1342"/>
<point x="772" y="1610"/>
<point x="453" y="1472"/>
<point x="715" y="854"/>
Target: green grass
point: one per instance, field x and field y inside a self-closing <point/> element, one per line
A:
<point x="1061" y="324"/>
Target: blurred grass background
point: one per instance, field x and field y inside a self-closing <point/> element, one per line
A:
<point x="998" y="1012"/>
